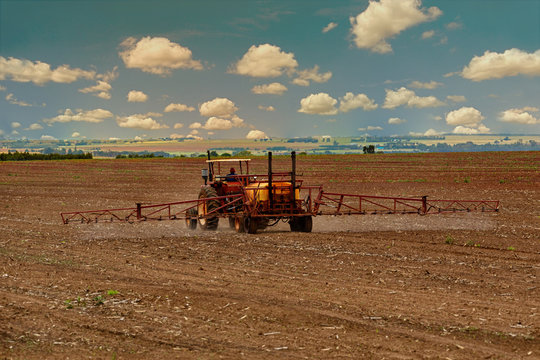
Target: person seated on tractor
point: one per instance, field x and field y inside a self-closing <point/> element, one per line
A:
<point x="231" y="176"/>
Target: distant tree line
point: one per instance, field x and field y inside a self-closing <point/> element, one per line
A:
<point x="22" y="156"/>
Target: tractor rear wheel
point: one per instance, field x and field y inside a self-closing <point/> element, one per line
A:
<point x="191" y="219"/>
<point x="301" y="223"/>
<point x="208" y="206"/>
<point x="231" y="222"/>
<point x="251" y="225"/>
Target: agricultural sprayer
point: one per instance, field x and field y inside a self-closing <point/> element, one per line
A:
<point x="252" y="202"/>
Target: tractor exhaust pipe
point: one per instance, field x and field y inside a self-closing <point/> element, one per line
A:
<point x="293" y="181"/>
<point x="270" y="191"/>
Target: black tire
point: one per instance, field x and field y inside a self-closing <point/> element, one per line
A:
<point x="239" y="224"/>
<point x="205" y="207"/>
<point x="251" y="225"/>
<point x="295" y="223"/>
<point x="231" y="222"/>
<point x="191" y="219"/>
<point x="307" y="224"/>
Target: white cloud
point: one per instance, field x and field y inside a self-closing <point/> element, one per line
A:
<point x="47" y="137"/>
<point x="454" y="25"/>
<point x="456" y="98"/>
<point x="137" y="138"/>
<point x="265" y="61"/>
<point x="39" y="72"/>
<point x="520" y="116"/>
<point x="136" y="96"/>
<point x="215" y="123"/>
<point x="256" y="135"/>
<point x="467" y="116"/>
<point x="178" y="107"/>
<point x="195" y="125"/>
<point x="370" y="127"/>
<point x="385" y="19"/>
<point x="467" y="120"/>
<point x="237" y="121"/>
<point x="1" y="132"/>
<point x="109" y="76"/>
<point x="92" y="116"/>
<point x="321" y="103"/>
<point x="218" y="107"/>
<point x="101" y="89"/>
<point x="75" y="134"/>
<point x="329" y="27"/>
<point x="429" y="132"/>
<point x="194" y="137"/>
<point x="194" y="132"/>
<point x="14" y="132"/>
<point x="157" y="55"/>
<point x="139" y="121"/>
<point x="493" y="65"/>
<point x="425" y="85"/>
<point x="267" y="108"/>
<point x="15" y="125"/>
<point x="12" y="100"/>
<point x="178" y="125"/>
<point x="396" y="121"/>
<point x="274" y="88"/>
<point x="305" y="76"/>
<point x="404" y="96"/>
<point x="428" y="34"/>
<point x="34" y="126"/>
<point x="437" y="117"/>
<point x="177" y="136"/>
<point x="350" y="102"/>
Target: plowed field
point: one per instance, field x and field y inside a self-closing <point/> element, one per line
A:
<point x="453" y="286"/>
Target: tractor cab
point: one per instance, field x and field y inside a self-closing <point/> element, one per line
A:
<point x="227" y="176"/>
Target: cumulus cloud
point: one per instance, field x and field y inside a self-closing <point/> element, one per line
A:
<point x="404" y="96"/>
<point x="520" y="116"/>
<point x="157" y="55"/>
<point x="91" y="116"/>
<point x="370" y="128"/>
<point x="215" y="123"/>
<point x="350" y="102"/>
<point x="428" y="34"/>
<point x="429" y="132"/>
<point x="425" y="85"/>
<point x="494" y="65"/>
<point x="329" y="27"/>
<point x="22" y="70"/>
<point x="237" y="121"/>
<point x="178" y="125"/>
<point x="15" y="125"/>
<point x="385" y="19"/>
<point x="218" y="107"/>
<point x="454" y="25"/>
<point x="256" y="135"/>
<point x="136" y="96"/>
<point x="305" y="76"/>
<point x="34" y="126"/>
<point x="12" y="100"/>
<point x="195" y="125"/>
<point x="47" y="137"/>
<point x="265" y="61"/>
<point x="467" y="120"/>
<point x="178" y="107"/>
<point x="101" y="89"/>
<point x="456" y="98"/>
<point x="75" y="134"/>
<point x="266" y="108"/>
<point x="139" y="121"/>
<point x="321" y="104"/>
<point x="274" y="88"/>
<point x="396" y="121"/>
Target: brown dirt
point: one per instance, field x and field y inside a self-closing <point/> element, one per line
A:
<point x="455" y="286"/>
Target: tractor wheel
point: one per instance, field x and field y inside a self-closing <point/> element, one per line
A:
<point x="307" y="224"/>
<point x="239" y="224"/>
<point x="231" y="222"/>
<point x="205" y="207"/>
<point x="295" y="223"/>
<point x="191" y="219"/>
<point x="251" y="225"/>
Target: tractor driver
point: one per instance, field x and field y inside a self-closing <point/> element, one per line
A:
<point x="231" y="176"/>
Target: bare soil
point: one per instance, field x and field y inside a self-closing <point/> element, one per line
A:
<point x="454" y="286"/>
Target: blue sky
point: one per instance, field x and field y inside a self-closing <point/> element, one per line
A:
<point x="237" y="69"/>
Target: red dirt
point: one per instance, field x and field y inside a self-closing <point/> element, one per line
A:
<point x="455" y="286"/>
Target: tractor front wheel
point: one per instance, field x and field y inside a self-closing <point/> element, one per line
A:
<point x="205" y="207"/>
